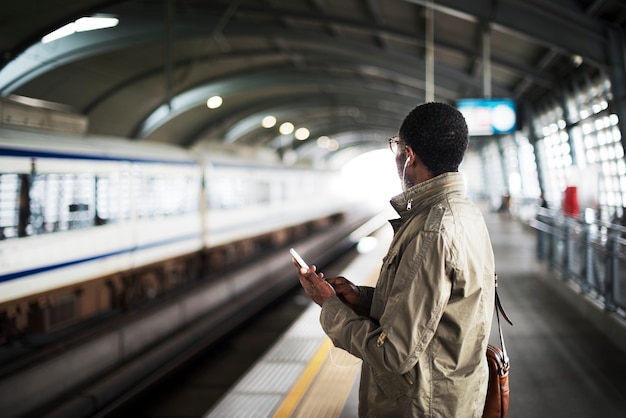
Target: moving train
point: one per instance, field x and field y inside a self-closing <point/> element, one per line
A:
<point x="89" y="225"/>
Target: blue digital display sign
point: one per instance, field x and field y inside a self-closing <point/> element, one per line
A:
<point x="488" y="116"/>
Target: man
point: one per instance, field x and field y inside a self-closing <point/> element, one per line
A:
<point x="422" y="331"/>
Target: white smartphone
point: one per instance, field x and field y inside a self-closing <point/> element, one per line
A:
<point x="299" y="259"/>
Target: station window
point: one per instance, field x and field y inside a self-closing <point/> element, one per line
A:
<point x="527" y="165"/>
<point x="554" y="153"/>
<point x="584" y="149"/>
<point x="605" y="156"/>
<point x="493" y="174"/>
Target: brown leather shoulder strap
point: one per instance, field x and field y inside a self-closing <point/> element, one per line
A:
<point x="499" y="304"/>
<point x="499" y="308"/>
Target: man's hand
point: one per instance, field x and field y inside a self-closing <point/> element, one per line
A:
<point x="313" y="283"/>
<point x="346" y="290"/>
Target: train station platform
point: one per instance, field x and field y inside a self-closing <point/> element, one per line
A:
<point x="568" y="356"/>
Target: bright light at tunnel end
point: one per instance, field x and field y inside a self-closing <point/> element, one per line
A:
<point x="372" y="177"/>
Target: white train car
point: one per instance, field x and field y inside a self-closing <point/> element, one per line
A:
<point x="246" y="199"/>
<point x="88" y="225"/>
<point x="75" y="210"/>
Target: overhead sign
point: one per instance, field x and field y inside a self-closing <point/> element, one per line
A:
<point x="488" y="116"/>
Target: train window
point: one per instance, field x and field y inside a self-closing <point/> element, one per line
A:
<point x="112" y="198"/>
<point x="166" y="194"/>
<point x="262" y="192"/>
<point x="212" y="194"/>
<point x="60" y="202"/>
<point x="9" y="205"/>
<point x="227" y="191"/>
<point x="230" y="189"/>
<point x="187" y="192"/>
<point x="278" y="192"/>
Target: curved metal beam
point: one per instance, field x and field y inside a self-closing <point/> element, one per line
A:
<point x="547" y="23"/>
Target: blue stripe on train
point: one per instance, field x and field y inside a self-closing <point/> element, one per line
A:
<point x="35" y="153"/>
<point x="43" y="269"/>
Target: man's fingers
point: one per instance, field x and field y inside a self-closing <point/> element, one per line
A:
<point x="311" y="273"/>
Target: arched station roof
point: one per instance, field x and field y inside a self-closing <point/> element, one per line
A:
<point x="345" y="69"/>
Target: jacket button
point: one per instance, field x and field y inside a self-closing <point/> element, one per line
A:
<point x="381" y="339"/>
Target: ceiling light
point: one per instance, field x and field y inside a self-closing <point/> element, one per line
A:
<point x="83" y="24"/>
<point x="214" y="102"/>
<point x="323" y="141"/>
<point x="286" y="128"/>
<point x="66" y="30"/>
<point x="268" y="122"/>
<point x="302" y="134"/>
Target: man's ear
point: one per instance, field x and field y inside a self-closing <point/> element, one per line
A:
<point x="410" y="155"/>
<point x="423" y="172"/>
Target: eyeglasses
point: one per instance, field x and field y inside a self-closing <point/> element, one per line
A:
<point x="394" y="144"/>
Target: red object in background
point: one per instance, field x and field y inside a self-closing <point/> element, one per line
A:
<point x="570" y="202"/>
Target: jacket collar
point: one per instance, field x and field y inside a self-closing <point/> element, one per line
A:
<point x="424" y="194"/>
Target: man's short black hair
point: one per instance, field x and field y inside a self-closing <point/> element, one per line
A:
<point x="437" y="132"/>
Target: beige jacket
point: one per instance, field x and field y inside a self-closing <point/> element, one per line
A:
<point x="422" y="332"/>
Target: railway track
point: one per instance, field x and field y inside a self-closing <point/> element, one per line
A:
<point x="192" y="389"/>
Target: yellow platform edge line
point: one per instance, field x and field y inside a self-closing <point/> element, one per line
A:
<point x="293" y="398"/>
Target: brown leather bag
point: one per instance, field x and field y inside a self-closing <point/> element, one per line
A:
<point x="497" y="401"/>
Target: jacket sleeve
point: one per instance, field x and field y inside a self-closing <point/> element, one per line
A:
<point x="415" y="300"/>
<point x="365" y="300"/>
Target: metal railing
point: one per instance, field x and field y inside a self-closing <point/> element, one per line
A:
<point x="592" y="255"/>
